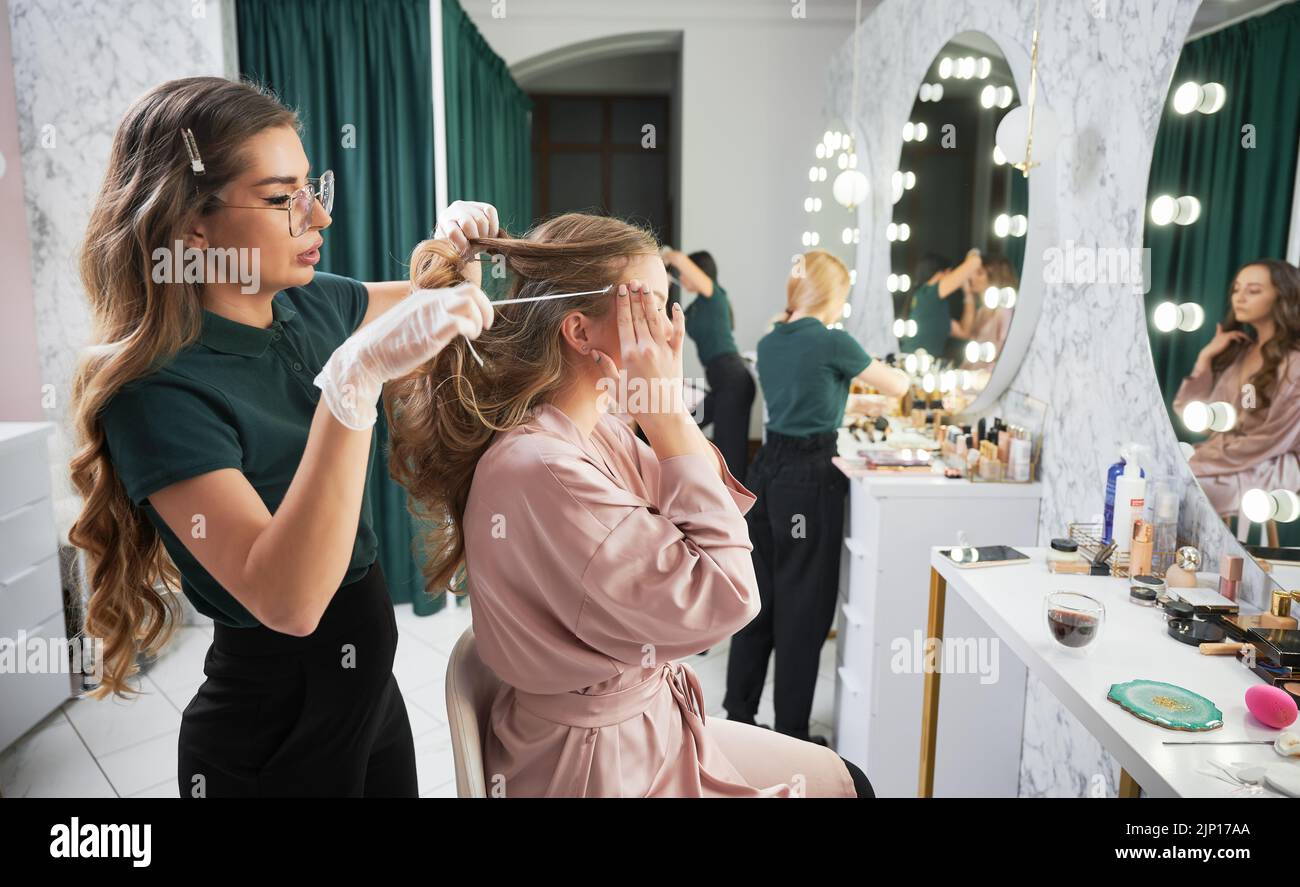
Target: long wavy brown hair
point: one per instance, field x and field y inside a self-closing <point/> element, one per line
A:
<point x="1286" y="336"/>
<point x="147" y="201"/>
<point x="443" y="416"/>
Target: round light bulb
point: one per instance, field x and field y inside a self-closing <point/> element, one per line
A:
<point x="1223" y="416"/>
<point x="1187" y="97"/>
<point x="1166" y="317"/>
<point x="1163" y="209"/>
<point x="1192" y="317"/>
<point x="1213" y="95"/>
<point x="1258" y="506"/>
<point x="850" y="188"/>
<point x="1196" y="416"/>
<point x="1189" y="210"/>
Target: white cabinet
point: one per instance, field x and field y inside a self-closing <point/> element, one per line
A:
<point x="893" y="522"/>
<point x="31" y="595"/>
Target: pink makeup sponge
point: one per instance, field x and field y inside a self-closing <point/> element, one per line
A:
<point x="1271" y="705"/>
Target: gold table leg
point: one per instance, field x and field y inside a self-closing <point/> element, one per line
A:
<point x="1128" y="787"/>
<point x="930" y="701"/>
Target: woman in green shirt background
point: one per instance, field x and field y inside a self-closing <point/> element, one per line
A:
<point x="710" y="322"/>
<point x="806" y="369"/>
<point x="225" y="434"/>
<point x="938" y="320"/>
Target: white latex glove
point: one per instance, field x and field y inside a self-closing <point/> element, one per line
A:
<point x="465" y="220"/>
<point x="393" y="344"/>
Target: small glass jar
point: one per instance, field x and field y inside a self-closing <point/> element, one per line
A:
<point x="1063" y="551"/>
<point x="1145" y="590"/>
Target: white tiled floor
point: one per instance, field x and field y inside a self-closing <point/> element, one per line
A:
<point x="94" y="748"/>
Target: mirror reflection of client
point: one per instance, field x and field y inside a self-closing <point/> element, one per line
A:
<point x="989" y="324"/>
<point x="1256" y="345"/>
<point x="593" y="560"/>
<point x="936" y="317"/>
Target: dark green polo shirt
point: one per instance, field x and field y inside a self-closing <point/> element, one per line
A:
<point x="240" y="397"/>
<point x="708" y="323"/>
<point x="805" y="369"/>
<point x="933" y="320"/>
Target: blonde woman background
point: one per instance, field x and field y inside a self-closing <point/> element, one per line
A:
<point x="805" y="369"/>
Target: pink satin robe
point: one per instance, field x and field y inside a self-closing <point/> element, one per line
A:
<point x="1261" y="451"/>
<point x="592" y="566"/>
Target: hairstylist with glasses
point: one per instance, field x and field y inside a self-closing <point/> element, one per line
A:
<point x="226" y="435"/>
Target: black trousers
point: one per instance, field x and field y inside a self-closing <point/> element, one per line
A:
<point x="319" y="716"/>
<point x="727" y="406"/>
<point x="797" y="529"/>
<point x="860" y="782"/>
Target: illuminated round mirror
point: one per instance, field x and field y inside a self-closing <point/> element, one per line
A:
<point x="959" y="223"/>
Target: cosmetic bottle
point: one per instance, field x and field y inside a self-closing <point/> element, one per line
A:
<point x="1229" y="576"/>
<point x="1139" y="561"/>
<point x="1130" y="499"/>
<point x="1112" y="475"/>
<point x="1021" y="451"/>
<point x="1168" y="496"/>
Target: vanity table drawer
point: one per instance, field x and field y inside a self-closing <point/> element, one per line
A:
<point x="30" y="597"/>
<point x="856" y="643"/>
<point x="864" y="514"/>
<point x="24" y="474"/>
<point x="852" y="717"/>
<point x="27" y="536"/>
<point x="860" y="590"/>
<point x="26" y="698"/>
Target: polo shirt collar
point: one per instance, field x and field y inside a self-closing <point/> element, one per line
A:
<point x="231" y="337"/>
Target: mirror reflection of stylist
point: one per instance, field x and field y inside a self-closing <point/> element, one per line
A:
<point x="797" y="525"/>
<point x="709" y="323"/>
<point x="935" y="316"/>
<point x="1258" y="344"/>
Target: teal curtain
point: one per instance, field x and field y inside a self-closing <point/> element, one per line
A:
<point x="489" y="155"/>
<point x="359" y="73"/>
<point x="1245" y="191"/>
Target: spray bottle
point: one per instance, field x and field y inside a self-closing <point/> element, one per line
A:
<point x="1107" y="530"/>
<point x="1130" y="498"/>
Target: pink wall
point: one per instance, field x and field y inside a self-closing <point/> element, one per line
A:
<point x="20" y="376"/>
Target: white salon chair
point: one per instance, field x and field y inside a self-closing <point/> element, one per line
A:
<point x="471" y="687"/>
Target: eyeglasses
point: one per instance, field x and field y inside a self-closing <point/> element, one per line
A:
<point x="301" y="203"/>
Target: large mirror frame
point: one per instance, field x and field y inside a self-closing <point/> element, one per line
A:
<point x="874" y="216"/>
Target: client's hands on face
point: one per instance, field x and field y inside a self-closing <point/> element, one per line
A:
<point x="650" y="352"/>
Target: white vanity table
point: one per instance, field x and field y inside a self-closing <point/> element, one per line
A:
<point x="31" y="594"/>
<point x="1133" y="645"/>
<point x="894" y="520"/>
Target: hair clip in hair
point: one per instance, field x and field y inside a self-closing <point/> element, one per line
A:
<point x="192" y="148"/>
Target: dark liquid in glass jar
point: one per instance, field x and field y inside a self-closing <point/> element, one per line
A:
<point x="1072" y="629"/>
